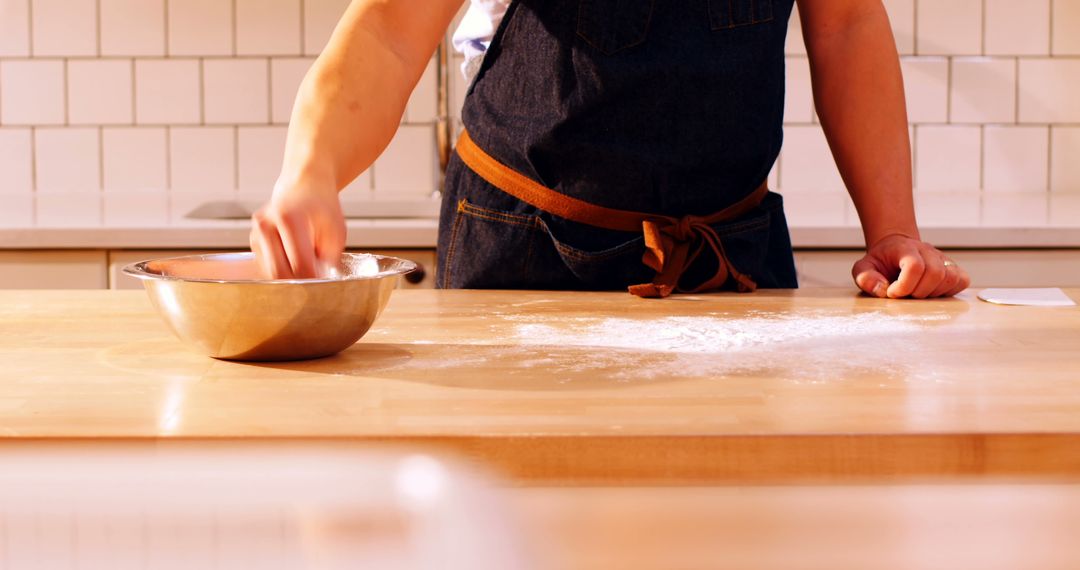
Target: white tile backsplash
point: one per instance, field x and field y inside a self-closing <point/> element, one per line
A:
<point x="202" y="160"/>
<point x="64" y="27"/>
<point x="100" y="92"/>
<point x="798" y="94"/>
<point x="421" y="107"/>
<point x="408" y="167"/>
<point x="268" y="27"/>
<point x="1065" y="160"/>
<point x="983" y="90"/>
<point x="948" y="209"/>
<point x="1019" y="209"/>
<point x="136" y="209"/>
<point x="1017" y="27"/>
<point x="1065" y="210"/>
<point x="16" y="210"/>
<point x="236" y="91"/>
<point x="201" y="90"/>
<point x="132" y="27"/>
<point x="1066" y="24"/>
<point x="902" y="17"/>
<point x="134" y="159"/>
<point x="1016" y="159"/>
<point x="926" y="89"/>
<point x="947" y="158"/>
<point x="14" y="28"/>
<point x="68" y="209"/>
<point x="68" y="159"/>
<point x="16" y="161"/>
<point x="200" y="27"/>
<point x="260" y="153"/>
<point x="32" y="92"/>
<point x="948" y="27"/>
<point x="320" y="17"/>
<point x="285" y="77"/>
<point x="167" y="91"/>
<point x="795" y="44"/>
<point x="807" y="164"/>
<point x="814" y="209"/>
<point x="1050" y="90"/>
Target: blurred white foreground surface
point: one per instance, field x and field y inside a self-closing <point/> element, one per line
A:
<point x="217" y="505"/>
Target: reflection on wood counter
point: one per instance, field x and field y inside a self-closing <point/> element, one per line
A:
<point x="590" y="387"/>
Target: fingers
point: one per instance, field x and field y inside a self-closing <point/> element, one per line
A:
<point x="268" y="249"/>
<point x="948" y="282"/>
<point x="934" y="272"/>
<point x="330" y="241"/>
<point x="297" y="242"/>
<point x="869" y="279"/>
<point x="912" y="267"/>
<point x="963" y="281"/>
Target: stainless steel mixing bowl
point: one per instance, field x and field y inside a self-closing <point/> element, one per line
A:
<point x="218" y="304"/>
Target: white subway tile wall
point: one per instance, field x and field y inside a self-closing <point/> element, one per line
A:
<point x="133" y="112"/>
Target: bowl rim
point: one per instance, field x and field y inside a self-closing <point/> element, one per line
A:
<point x="139" y="270"/>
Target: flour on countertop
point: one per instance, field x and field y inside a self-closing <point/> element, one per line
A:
<point x="814" y="346"/>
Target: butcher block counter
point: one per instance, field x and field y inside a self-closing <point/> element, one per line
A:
<point x="589" y="388"/>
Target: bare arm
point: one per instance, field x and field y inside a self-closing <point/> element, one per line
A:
<point x="859" y="95"/>
<point x="347" y="110"/>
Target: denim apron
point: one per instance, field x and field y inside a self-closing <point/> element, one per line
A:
<point x="669" y="107"/>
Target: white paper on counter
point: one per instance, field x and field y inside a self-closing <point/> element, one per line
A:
<point x="1047" y="297"/>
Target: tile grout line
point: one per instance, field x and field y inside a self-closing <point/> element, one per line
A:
<point x="97" y="22"/>
<point x="168" y="172"/>
<point x="165" y="23"/>
<point x="982" y="32"/>
<point x="30" y="28"/>
<point x="101" y="175"/>
<point x="269" y="92"/>
<point x="1050" y="31"/>
<point x="949" y="90"/>
<point x="33" y="176"/>
<point x="67" y="96"/>
<point x="202" y="92"/>
<point x="1016" y="95"/>
<point x="134" y="107"/>
<point x="236" y="159"/>
<point x="303" y="39"/>
<point x="235" y="27"/>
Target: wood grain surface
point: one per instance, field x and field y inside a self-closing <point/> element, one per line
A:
<point x="589" y="388"/>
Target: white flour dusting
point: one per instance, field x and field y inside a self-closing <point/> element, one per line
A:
<point x="709" y="334"/>
<point x="806" y="346"/>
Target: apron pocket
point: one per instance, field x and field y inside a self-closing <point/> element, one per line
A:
<point x="727" y="14"/>
<point x="488" y="249"/>
<point x="614" y="25"/>
<point x="611" y="268"/>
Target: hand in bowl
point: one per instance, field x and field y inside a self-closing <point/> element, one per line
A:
<point x="300" y="233"/>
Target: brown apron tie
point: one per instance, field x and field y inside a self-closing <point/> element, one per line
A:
<point x="668" y="240"/>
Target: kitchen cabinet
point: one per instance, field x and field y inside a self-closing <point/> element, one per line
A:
<point x="53" y="269"/>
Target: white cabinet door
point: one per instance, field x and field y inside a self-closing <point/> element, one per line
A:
<point x="33" y="269"/>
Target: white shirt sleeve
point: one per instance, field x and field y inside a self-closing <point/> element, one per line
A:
<point x="474" y="34"/>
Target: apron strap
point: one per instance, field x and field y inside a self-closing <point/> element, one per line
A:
<point x="668" y="240"/>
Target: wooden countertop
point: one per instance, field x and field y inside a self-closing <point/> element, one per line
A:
<point x="590" y="387"/>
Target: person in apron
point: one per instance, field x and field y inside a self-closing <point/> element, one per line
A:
<point x="614" y="144"/>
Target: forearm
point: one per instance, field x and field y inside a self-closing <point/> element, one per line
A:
<point x="350" y="103"/>
<point x="859" y="96"/>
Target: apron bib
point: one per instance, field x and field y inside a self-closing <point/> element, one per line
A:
<point x="670" y="108"/>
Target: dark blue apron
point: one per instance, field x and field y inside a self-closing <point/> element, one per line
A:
<point x="668" y="107"/>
